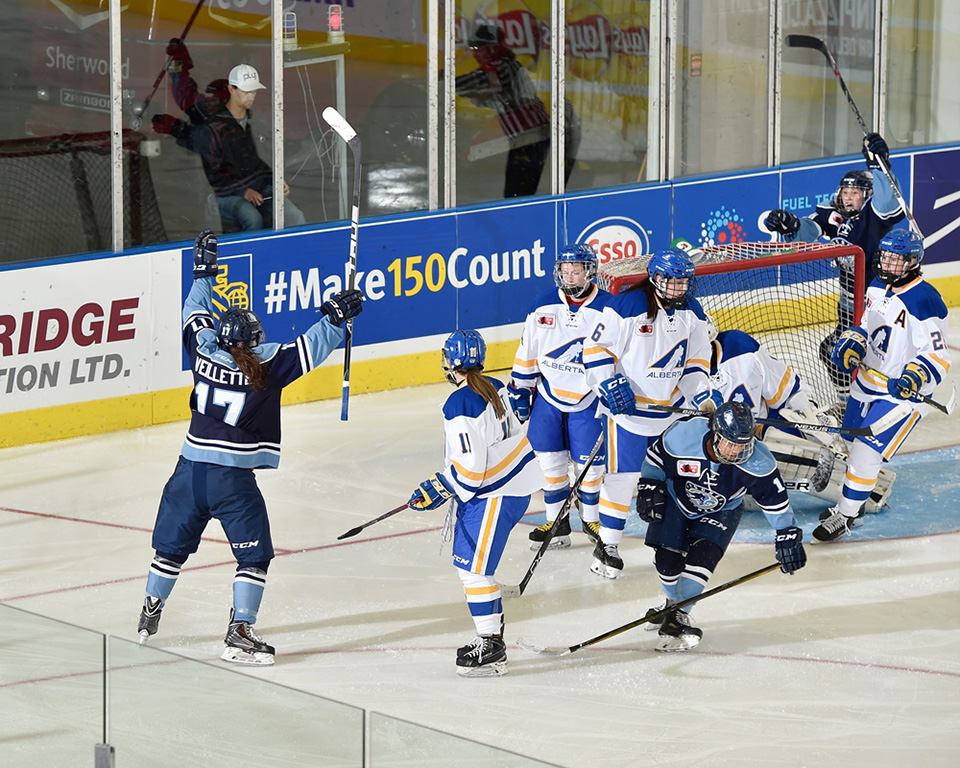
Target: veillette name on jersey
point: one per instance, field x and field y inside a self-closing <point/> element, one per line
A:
<point x="218" y="374"/>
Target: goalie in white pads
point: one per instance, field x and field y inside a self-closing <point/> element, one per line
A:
<point x="810" y="461"/>
<point x="902" y="336"/>
<point x="650" y="347"/>
<point x="550" y="389"/>
<point x="691" y="493"/>
<point x="489" y="472"/>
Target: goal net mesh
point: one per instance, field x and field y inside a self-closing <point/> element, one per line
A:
<point x="55" y="196"/>
<point x="785" y="295"/>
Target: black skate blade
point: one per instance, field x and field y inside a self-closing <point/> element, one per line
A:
<point x="542" y="650"/>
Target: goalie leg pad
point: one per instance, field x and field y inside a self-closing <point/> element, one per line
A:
<point x="804" y="466"/>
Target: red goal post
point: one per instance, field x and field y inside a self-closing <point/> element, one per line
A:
<point x="783" y="294"/>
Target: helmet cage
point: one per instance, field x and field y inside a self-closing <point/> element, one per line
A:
<point x="862" y="180"/>
<point x="733" y="425"/>
<point x="580" y="253"/>
<point x="239" y="328"/>
<point x="462" y="350"/>
<point x="671" y="264"/>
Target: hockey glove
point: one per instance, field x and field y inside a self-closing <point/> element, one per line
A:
<point x="180" y="60"/>
<point x="521" y="401"/>
<point x="205" y="255"/>
<point x="164" y="124"/>
<point x="782" y="222"/>
<point x="431" y="493"/>
<point x="651" y="499"/>
<point x="790" y="554"/>
<point x="875" y="150"/>
<point x="708" y="400"/>
<point x="850" y="349"/>
<point x="343" y="306"/>
<point x="617" y="396"/>
<point x="911" y="381"/>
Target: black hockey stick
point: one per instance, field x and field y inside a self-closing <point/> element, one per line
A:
<point x="654" y="617"/>
<point x="336" y="121"/>
<point x="918" y="398"/>
<point x="808" y="41"/>
<point x="384" y="516"/>
<point x="507" y="590"/>
<point x="137" y="119"/>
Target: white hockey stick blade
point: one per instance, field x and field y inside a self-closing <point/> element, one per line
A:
<point x="542" y="650"/>
<point x="337" y="121"/>
<point x="889" y="419"/>
<point x="509" y="591"/>
<point x="951" y="403"/>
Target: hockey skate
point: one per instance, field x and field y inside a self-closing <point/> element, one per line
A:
<point x="834" y="524"/>
<point x="606" y="561"/>
<point x="650" y="626"/>
<point x="678" y="634"/>
<point x="484" y="656"/>
<point x="245" y="646"/>
<point x="561" y="538"/>
<point x="149" y="617"/>
<point x="592" y="530"/>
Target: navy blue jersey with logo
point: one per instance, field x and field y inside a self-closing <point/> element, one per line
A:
<point x="231" y="424"/>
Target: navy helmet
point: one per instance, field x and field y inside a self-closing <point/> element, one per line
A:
<point x="668" y="264"/>
<point x="463" y="350"/>
<point x="733" y="422"/>
<point x="578" y="253"/>
<point x="905" y="243"/>
<point x="239" y="328"/>
<point x="862" y="180"/>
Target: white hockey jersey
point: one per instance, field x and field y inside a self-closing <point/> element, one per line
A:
<point x="909" y="326"/>
<point x="666" y="361"/>
<point x="748" y="373"/>
<point x="487" y="455"/>
<point x="550" y="355"/>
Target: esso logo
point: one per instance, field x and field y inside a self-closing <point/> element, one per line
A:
<point x="616" y="238"/>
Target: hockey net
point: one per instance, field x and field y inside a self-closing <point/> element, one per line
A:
<point x="55" y="196"/>
<point x="785" y="295"/>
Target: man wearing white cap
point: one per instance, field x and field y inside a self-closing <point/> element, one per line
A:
<point x="242" y="182"/>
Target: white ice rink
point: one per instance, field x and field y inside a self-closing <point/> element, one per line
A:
<point x="853" y="661"/>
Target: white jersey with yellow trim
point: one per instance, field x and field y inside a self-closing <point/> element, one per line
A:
<point x="666" y="359"/>
<point x="487" y="455"/>
<point x="550" y="355"/>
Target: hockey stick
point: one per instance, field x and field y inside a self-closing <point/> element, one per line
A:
<point x="137" y="119"/>
<point x="509" y="591"/>
<point x="808" y="41"/>
<point x="883" y="423"/>
<point x="336" y="121"/>
<point x="654" y="617"/>
<point x="384" y="516"/>
<point x="947" y="409"/>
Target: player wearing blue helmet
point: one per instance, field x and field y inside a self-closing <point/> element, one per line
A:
<point x="489" y="473"/>
<point x="901" y="349"/>
<point x="234" y="428"/>
<point x="549" y="388"/>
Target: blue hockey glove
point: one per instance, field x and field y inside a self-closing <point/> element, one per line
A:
<point x="651" y="499"/>
<point x="708" y="400"/>
<point x="782" y="222"/>
<point x="521" y="400"/>
<point x="431" y="493"/>
<point x="617" y="396"/>
<point x="911" y="381"/>
<point x="790" y="554"/>
<point x="343" y="306"/>
<point x="205" y="255"/>
<point x="850" y="349"/>
<point x="875" y="150"/>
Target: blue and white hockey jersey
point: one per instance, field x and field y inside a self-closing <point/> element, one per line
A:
<point x="232" y="425"/>
<point x="486" y="455"/>
<point x="700" y="486"/>
<point x="550" y="355"/>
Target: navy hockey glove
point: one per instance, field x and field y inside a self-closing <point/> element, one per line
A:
<point x="708" y="400"/>
<point x="875" y="150"/>
<point x="205" y="255"/>
<point x="782" y="222"/>
<point x="911" y="381"/>
<point x="790" y="554"/>
<point x="180" y="60"/>
<point x="850" y="349"/>
<point x="651" y="499"/>
<point x="343" y="306"/>
<point x="431" y="493"/>
<point x="617" y="396"/>
<point x="521" y="401"/>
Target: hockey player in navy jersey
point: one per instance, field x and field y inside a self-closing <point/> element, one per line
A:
<point x="902" y="336"/>
<point x="489" y="472"/>
<point x="691" y="493"/>
<point x="234" y="429"/>
<point x="650" y="347"/>
<point x="549" y="388"/>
